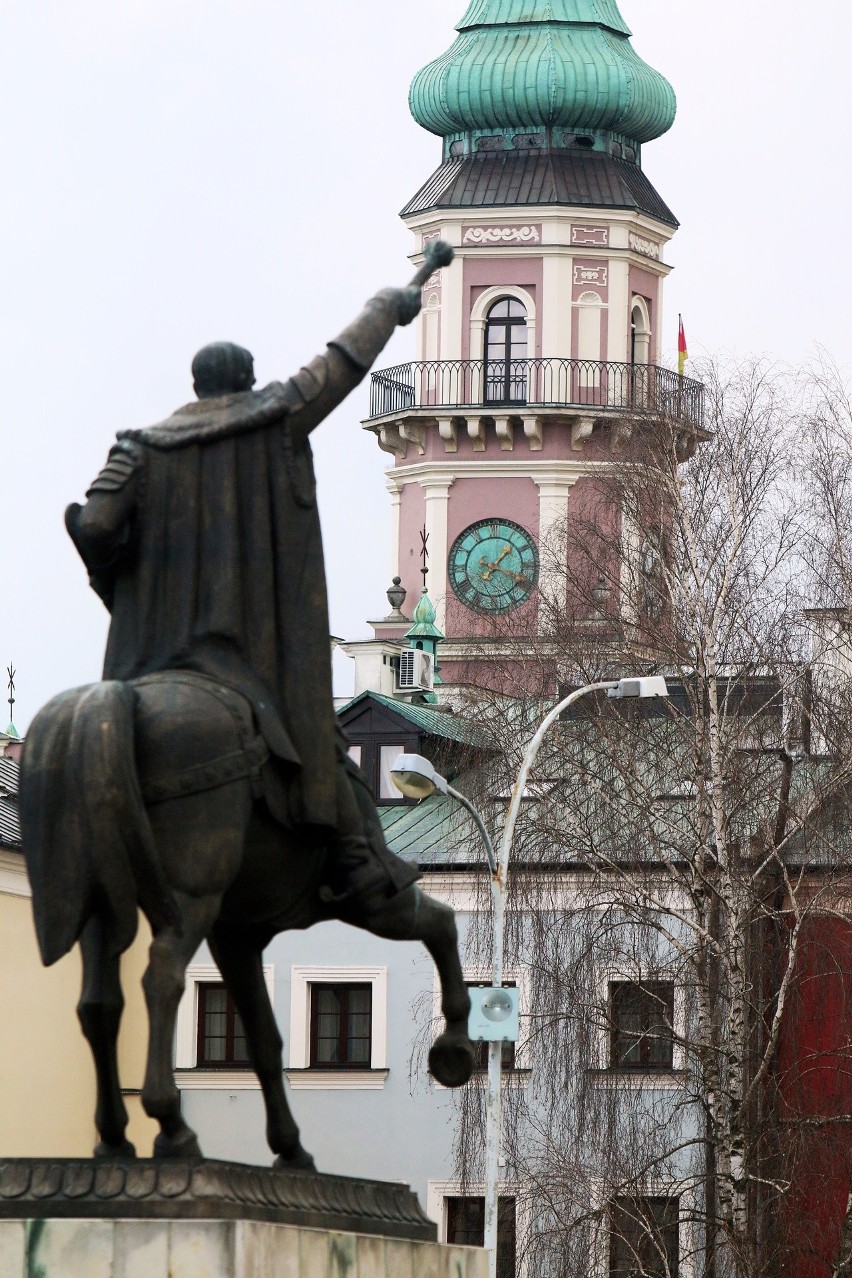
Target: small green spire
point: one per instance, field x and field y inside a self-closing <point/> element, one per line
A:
<point x="424" y="620"/>
<point x="11" y="730"/>
<point x="424" y="634"/>
<point x="527" y="65"/>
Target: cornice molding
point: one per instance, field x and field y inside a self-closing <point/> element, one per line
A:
<point x="540" y="472"/>
<point x="13" y="874"/>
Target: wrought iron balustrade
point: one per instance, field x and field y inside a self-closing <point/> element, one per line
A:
<point x="536" y="383"/>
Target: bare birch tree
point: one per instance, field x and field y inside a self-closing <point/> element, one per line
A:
<point x="673" y="855"/>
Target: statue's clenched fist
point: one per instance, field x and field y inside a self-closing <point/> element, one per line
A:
<point x="406" y="300"/>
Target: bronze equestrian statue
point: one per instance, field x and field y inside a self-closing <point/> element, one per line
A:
<point x="205" y="781"/>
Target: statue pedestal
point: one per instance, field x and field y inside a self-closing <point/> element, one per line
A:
<point x="219" y="1249"/>
<point x="73" y="1218"/>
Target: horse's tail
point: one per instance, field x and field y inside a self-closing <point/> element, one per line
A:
<point x="87" y="839"/>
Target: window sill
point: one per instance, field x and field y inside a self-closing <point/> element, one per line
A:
<point x="661" y="1080"/>
<point x="517" y="1077"/>
<point x="202" y="1079"/>
<point x="336" y="1080"/>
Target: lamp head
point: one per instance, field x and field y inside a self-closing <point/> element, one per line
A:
<point x="649" y="686"/>
<point x="415" y="777"/>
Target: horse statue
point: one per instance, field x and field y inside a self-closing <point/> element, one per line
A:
<point x="204" y="781"/>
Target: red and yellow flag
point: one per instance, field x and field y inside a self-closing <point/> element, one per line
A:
<point x="682" y="352"/>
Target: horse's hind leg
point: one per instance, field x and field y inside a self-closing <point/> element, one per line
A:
<point x="163" y="983"/>
<point x="99" y="1012"/>
<point x="239" y="958"/>
<point x="414" y="916"/>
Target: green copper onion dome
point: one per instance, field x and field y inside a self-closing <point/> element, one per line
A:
<point x="531" y="65"/>
<point x="424" y="616"/>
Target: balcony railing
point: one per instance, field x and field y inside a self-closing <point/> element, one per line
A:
<point x="536" y="383"/>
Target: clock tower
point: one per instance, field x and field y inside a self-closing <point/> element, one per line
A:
<point x="538" y="348"/>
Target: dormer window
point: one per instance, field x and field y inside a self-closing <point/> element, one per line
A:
<point x="494" y="142"/>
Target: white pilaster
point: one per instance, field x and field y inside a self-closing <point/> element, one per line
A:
<point x="553" y="494"/>
<point x="555" y="307"/>
<point x="394" y="487"/>
<point x="619" y="310"/>
<point x="436" y="491"/>
<point x="452" y="301"/>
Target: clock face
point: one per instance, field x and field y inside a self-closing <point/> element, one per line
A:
<point x="493" y="566"/>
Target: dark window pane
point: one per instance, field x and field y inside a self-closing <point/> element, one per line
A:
<point x="505" y="353"/>
<point x="221" y="1036"/>
<point x="644" y="1238"/>
<point x="641" y="1017"/>
<point x="341" y="1025"/>
<point x="466" y="1228"/>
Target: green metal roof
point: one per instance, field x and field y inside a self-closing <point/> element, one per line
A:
<point x="437" y="723"/>
<point x="523" y="64"/>
<point x="436" y="831"/>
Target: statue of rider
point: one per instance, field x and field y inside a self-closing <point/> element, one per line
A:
<point x="202" y="536"/>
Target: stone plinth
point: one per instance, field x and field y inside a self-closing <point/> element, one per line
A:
<point x="219" y="1249"/>
<point x="149" y="1189"/>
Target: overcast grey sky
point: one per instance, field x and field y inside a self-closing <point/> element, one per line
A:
<point x="178" y="171"/>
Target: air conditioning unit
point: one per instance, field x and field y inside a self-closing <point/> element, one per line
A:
<point x="416" y="671"/>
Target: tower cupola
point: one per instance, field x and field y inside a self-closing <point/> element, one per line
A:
<point x="542" y="73"/>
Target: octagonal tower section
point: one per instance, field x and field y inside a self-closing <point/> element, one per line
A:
<point x="537" y="368"/>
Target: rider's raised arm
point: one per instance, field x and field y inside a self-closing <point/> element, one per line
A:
<point x="326" y="381"/>
<point x="101" y="528"/>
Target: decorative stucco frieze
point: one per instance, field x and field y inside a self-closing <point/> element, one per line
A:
<point x="590" y="236"/>
<point x="490" y="235"/>
<point x="586" y="275"/>
<point x="647" y="248"/>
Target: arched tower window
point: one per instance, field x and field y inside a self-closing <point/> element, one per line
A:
<point x="506" y="342"/>
<point x="640" y="332"/>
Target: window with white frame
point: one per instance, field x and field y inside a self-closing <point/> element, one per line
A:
<point x="639" y="1030"/>
<point x="208" y="1028"/>
<point x="341" y="1020"/>
<point x="338" y="1027"/>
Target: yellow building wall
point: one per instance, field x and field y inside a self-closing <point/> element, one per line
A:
<point x="47" y="1083"/>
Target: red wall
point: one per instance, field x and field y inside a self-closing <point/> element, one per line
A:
<point x="815" y="1075"/>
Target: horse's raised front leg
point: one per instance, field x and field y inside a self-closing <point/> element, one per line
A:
<point x="99" y="1012"/>
<point x="414" y="916"/>
<point x="239" y="959"/>
<point x="163" y="984"/>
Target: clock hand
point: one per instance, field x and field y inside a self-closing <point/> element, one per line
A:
<point x="507" y="550"/>
<point x="517" y="577"/>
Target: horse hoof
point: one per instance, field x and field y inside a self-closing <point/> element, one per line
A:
<point x="104" y="1150"/>
<point x="299" y="1161"/>
<point x="184" y="1146"/>
<point x="451" y="1060"/>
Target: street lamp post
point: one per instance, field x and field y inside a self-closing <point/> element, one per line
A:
<point x="416" y="777"/>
